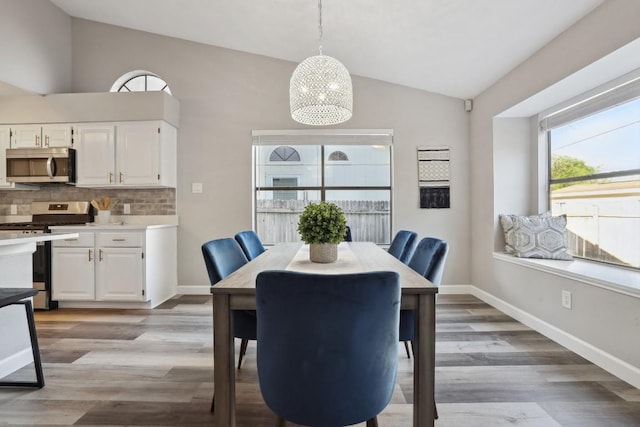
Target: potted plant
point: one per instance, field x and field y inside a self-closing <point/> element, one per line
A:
<point x="322" y="225"/>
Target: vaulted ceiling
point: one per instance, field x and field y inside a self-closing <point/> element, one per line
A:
<point x="457" y="48"/>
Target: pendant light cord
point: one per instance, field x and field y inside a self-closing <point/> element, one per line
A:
<point x="320" y="25"/>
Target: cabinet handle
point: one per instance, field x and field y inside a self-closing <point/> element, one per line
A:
<point x="118" y="239"/>
<point x="46" y="140"/>
<point x="121" y="177"/>
<point x="100" y="255"/>
<point x="110" y="177"/>
<point x="90" y="255"/>
<point x="37" y="140"/>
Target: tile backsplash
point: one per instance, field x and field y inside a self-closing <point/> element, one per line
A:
<point x="155" y="201"/>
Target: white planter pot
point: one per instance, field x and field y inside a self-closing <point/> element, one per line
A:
<point x="323" y="252"/>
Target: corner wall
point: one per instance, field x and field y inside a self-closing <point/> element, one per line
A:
<point x="606" y="320"/>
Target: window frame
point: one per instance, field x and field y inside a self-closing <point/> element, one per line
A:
<point x="321" y="139"/>
<point x="122" y="81"/>
<point x="606" y="97"/>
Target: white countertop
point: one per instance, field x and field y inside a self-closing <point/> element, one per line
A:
<point x="8" y="239"/>
<point x="92" y="226"/>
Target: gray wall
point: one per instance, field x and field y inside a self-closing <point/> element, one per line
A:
<point x="503" y="177"/>
<point x="225" y="94"/>
<point x="35" y="46"/>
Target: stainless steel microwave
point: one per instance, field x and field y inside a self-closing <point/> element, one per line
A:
<point x="41" y="165"/>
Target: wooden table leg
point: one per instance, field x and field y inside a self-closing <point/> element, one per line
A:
<point x="223" y="363"/>
<point x="424" y="362"/>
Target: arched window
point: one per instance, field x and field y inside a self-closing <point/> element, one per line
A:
<point x="140" y="81"/>
<point x="284" y="153"/>
<point x="338" y="156"/>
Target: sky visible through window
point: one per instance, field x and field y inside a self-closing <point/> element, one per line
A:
<point x="608" y="140"/>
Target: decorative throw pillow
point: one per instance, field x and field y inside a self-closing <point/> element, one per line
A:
<point x="506" y="220"/>
<point x="541" y="237"/>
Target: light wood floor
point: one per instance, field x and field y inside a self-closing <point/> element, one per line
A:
<point x="154" y="368"/>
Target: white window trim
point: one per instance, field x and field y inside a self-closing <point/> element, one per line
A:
<point x="613" y="278"/>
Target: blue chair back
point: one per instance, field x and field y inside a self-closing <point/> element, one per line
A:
<point x="250" y="243"/>
<point x="428" y="260"/>
<point x="403" y="245"/>
<point x="342" y="368"/>
<point x="222" y="257"/>
<point x="347" y="235"/>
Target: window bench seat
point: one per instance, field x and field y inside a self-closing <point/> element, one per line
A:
<point x="617" y="279"/>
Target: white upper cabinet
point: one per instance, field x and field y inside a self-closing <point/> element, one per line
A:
<point x="141" y="154"/>
<point x="4" y="144"/>
<point x="57" y="136"/>
<point x="41" y="136"/>
<point x="95" y="154"/>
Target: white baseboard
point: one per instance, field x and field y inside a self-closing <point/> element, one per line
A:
<point x="193" y="290"/>
<point x="16" y="361"/>
<point x="456" y="289"/>
<point x="606" y="361"/>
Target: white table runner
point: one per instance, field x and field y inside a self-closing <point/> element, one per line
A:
<point x="347" y="262"/>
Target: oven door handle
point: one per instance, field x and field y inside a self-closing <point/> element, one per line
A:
<point x="51" y="167"/>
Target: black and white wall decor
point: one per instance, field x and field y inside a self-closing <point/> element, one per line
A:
<point x="434" y="177"/>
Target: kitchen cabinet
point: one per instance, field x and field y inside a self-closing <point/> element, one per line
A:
<point x="95" y="159"/>
<point x="41" y="136"/>
<point x="73" y="268"/>
<point x="106" y="270"/>
<point x="126" y="154"/>
<point x="111" y="266"/>
<point x="120" y="266"/>
<point x="4" y="144"/>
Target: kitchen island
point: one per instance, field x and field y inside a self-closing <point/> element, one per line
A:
<point x="16" y="251"/>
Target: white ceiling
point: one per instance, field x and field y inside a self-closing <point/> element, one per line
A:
<point x="453" y="47"/>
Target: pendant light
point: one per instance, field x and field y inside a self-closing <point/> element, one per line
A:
<point x="320" y="91"/>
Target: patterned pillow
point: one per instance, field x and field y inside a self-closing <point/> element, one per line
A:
<point x="541" y="237"/>
<point x="506" y="220"/>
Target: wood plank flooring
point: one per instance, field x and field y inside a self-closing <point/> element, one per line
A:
<point x="154" y="368"/>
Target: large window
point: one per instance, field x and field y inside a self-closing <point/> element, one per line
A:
<point x="284" y="182"/>
<point x="594" y="175"/>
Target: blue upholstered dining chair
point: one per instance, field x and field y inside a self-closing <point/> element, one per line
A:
<point x="250" y="243"/>
<point x="222" y="257"/>
<point x="403" y="244"/>
<point x="428" y="259"/>
<point x="347" y="235"/>
<point x="343" y="367"/>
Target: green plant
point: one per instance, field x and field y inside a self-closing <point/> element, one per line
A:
<point x="323" y="222"/>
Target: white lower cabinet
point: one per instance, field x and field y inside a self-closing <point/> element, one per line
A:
<point x="73" y="271"/>
<point x="99" y="266"/>
<point x="120" y="267"/>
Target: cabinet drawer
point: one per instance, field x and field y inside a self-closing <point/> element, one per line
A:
<point x="116" y="239"/>
<point x="83" y="240"/>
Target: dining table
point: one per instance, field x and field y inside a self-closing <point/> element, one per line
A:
<point x="237" y="292"/>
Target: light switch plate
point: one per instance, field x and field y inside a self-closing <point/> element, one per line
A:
<point x="196" y="187"/>
<point x="14" y="209"/>
<point x="126" y="208"/>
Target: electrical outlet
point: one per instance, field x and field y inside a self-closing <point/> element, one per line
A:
<point x="14" y="209"/>
<point x="566" y="299"/>
<point x="126" y="208"/>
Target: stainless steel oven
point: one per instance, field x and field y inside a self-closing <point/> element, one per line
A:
<point x="45" y="214"/>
